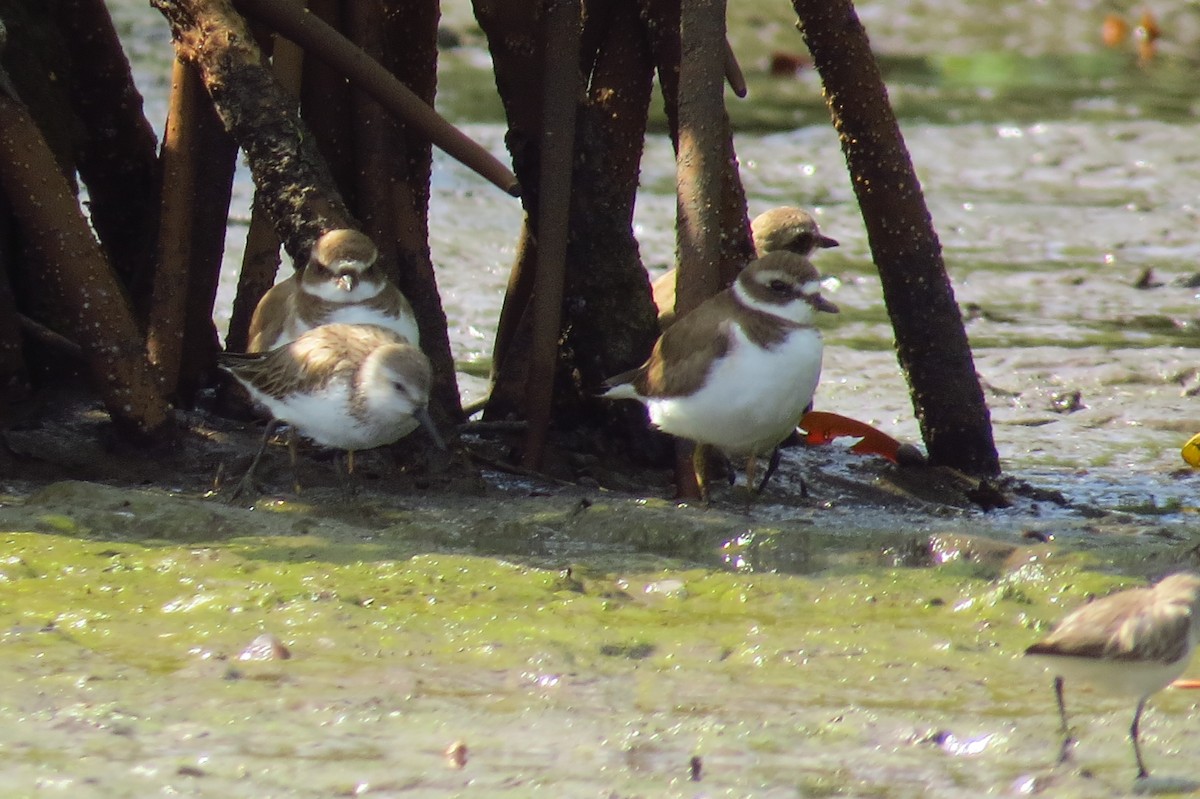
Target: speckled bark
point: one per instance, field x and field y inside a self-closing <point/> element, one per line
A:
<point x="392" y="170"/>
<point x="703" y="134"/>
<point x="293" y="181"/>
<point x="326" y="43"/>
<point x="931" y="341"/>
<point x="75" y="276"/>
<point x="260" y="259"/>
<point x="702" y="141"/>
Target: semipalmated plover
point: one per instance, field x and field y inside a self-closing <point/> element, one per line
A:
<point x="737" y="371"/>
<point x="341" y="283"/>
<point x="1131" y="643"/>
<point x="349" y="387"/>
<point x="782" y="228"/>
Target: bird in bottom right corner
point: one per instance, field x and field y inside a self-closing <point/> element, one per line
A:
<point x="1132" y="643"/>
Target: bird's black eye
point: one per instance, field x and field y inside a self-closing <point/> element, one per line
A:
<point x="779" y="287"/>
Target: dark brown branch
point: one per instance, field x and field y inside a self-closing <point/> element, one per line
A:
<point x="164" y="337"/>
<point x="116" y="152"/>
<point x="293" y="181"/>
<point x="76" y="275"/>
<point x="391" y="184"/>
<point x="560" y="91"/>
<point x="215" y="156"/>
<point x="326" y="43"/>
<point x="662" y="23"/>
<point x="326" y="108"/>
<point x="260" y="259"/>
<point x="608" y="318"/>
<point x="931" y="342"/>
<point x="702" y="140"/>
<point x="733" y="72"/>
<point x="14" y="375"/>
<point x="198" y="162"/>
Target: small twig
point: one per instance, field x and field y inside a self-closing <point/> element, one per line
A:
<point x="733" y="72"/>
<point x="519" y="471"/>
<point x="327" y="44"/>
<point x="49" y="337"/>
<point x="497" y="426"/>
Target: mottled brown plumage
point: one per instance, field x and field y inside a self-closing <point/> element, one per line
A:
<point x="1139" y="624"/>
<point x="319" y="356"/>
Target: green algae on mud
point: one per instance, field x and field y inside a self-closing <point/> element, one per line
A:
<point x="604" y="665"/>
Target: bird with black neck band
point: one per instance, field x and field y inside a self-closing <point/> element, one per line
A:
<point x="737" y="372"/>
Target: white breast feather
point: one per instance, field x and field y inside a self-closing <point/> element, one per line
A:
<point x="405" y="325"/>
<point x="753" y="397"/>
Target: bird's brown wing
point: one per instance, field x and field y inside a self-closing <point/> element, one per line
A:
<point x="270" y="315"/>
<point x="690" y="346"/>
<point x="311" y="360"/>
<point x="1124" y="626"/>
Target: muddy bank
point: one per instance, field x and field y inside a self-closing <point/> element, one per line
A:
<point x="576" y="640"/>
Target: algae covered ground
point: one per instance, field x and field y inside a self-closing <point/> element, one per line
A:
<point x="565" y="641"/>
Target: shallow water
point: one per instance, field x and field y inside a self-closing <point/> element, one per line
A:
<point x="590" y="643"/>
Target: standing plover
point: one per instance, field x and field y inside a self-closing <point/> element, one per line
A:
<point x="341" y="283"/>
<point x="737" y="372"/>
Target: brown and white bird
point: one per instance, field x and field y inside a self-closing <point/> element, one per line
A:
<point x="783" y="228"/>
<point x="1132" y="643"/>
<point x="348" y="387"/>
<point x="341" y="283"/>
<point x="737" y="371"/>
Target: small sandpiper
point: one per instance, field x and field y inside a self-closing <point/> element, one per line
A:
<point x="783" y="228"/>
<point x="737" y="371"/>
<point x="341" y="283"/>
<point x="344" y="386"/>
<point x="1131" y="643"/>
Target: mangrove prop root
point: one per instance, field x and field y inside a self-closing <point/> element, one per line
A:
<point x="931" y="342"/>
<point x="77" y="276"/>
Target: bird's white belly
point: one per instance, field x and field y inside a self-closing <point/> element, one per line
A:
<point x="324" y="416"/>
<point x="1113" y="677"/>
<point x="752" y="398"/>
<point x="404" y="324"/>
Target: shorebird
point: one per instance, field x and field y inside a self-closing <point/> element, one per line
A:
<point x="341" y="283"/>
<point x="737" y="371"/>
<point x="783" y="228"/>
<point x="348" y="387"/>
<point x="1131" y="643"/>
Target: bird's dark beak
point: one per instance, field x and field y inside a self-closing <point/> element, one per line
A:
<point x="422" y="416"/>
<point x="347" y="281"/>
<point x="825" y="242"/>
<point x="822" y="304"/>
